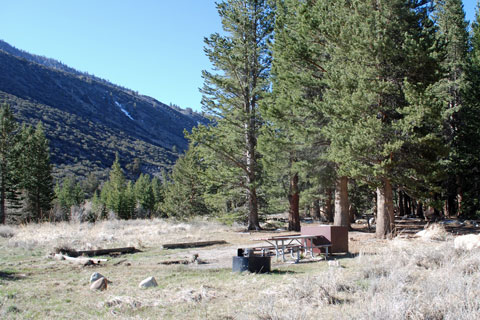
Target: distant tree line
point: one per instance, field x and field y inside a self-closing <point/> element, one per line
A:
<point x="339" y="107"/>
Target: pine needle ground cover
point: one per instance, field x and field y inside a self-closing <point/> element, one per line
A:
<point x="380" y="279"/>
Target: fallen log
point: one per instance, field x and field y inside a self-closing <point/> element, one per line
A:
<point x="192" y="244"/>
<point x="98" y="252"/>
<point x="80" y="260"/>
<point x="169" y="262"/>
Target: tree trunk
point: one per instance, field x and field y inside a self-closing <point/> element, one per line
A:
<point x="459" y="200"/>
<point x="419" y="211"/>
<point x="385" y="215"/>
<point x="407" y="205"/>
<point x="352" y="211"/>
<point x="328" y="206"/>
<point x="401" y="207"/>
<point x="294" y="200"/>
<point x="251" y="144"/>
<point x="3" y="212"/>
<point x="342" y="216"/>
<point x="253" y="223"/>
<point x="316" y="209"/>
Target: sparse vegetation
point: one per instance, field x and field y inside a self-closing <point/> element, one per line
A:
<point x="380" y="279"/>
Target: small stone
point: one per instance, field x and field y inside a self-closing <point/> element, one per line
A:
<point x="148" y="283"/>
<point x="334" y="263"/>
<point x="95" y="276"/>
<point x="100" y="284"/>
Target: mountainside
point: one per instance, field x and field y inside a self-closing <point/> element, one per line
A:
<point x="88" y="119"/>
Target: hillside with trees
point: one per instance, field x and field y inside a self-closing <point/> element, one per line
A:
<point x="88" y="120"/>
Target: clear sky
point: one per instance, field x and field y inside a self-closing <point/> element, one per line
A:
<point x="152" y="46"/>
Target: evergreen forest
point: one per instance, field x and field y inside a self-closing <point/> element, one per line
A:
<point x="336" y="109"/>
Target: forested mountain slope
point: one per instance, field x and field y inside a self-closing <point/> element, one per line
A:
<point x="88" y="119"/>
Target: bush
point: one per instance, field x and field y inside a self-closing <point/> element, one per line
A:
<point x="7" y="232"/>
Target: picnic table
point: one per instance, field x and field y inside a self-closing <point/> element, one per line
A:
<point x="294" y="244"/>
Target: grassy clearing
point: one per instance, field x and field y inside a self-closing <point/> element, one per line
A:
<point x="399" y="279"/>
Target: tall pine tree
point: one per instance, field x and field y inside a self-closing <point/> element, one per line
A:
<point x="453" y="32"/>
<point x="375" y="49"/>
<point x="36" y="177"/>
<point x="232" y="96"/>
<point x="8" y="142"/>
<point x="291" y="140"/>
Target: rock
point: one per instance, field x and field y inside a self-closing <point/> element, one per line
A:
<point x="467" y="242"/>
<point x="95" y="276"/>
<point x="433" y="232"/>
<point x="148" y="283"/>
<point x="452" y="223"/>
<point x="100" y="284"/>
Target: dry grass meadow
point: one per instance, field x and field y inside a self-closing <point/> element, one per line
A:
<point x="404" y="278"/>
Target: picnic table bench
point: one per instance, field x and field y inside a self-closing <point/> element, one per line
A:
<point x="293" y="244"/>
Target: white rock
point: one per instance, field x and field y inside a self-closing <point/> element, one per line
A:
<point x="433" y="232"/>
<point x="100" y="284"/>
<point x="467" y="242"/>
<point x="148" y="283"/>
<point x="334" y="263"/>
<point x="95" y="276"/>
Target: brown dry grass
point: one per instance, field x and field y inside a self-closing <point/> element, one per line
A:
<point x="398" y="279"/>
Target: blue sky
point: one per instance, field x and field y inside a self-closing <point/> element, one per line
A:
<point x="152" y="46"/>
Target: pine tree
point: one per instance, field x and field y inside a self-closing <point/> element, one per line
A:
<point x="232" y="96"/>
<point x="8" y="142"/>
<point x="68" y="194"/>
<point x="114" y="192"/>
<point x="144" y="194"/>
<point x="453" y="31"/>
<point x="291" y="140"/>
<point x="157" y="189"/>
<point x="375" y="49"/>
<point x="183" y="193"/>
<point x="36" y="177"/>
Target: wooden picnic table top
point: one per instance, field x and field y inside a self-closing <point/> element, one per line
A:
<point x="287" y="237"/>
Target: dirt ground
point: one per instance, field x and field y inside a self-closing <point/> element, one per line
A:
<point x="361" y="240"/>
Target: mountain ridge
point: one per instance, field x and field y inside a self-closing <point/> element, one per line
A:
<point x="138" y="126"/>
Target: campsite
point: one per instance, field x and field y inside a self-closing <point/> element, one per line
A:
<point x="409" y="277"/>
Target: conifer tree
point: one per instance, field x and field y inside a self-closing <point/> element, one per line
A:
<point x="68" y="194"/>
<point x="453" y="31"/>
<point x="291" y="140"/>
<point x="157" y="189"/>
<point x="183" y="193"/>
<point x="36" y="178"/>
<point x="114" y="192"/>
<point x="375" y="49"/>
<point x="468" y="146"/>
<point x="8" y="142"/>
<point x="232" y="96"/>
<point x="144" y="194"/>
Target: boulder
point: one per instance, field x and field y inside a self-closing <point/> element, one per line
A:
<point x="100" y="284"/>
<point x="433" y="232"/>
<point x="467" y="242"/>
<point x="148" y="283"/>
<point x="95" y="276"/>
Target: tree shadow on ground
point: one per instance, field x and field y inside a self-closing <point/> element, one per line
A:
<point x="11" y="275"/>
<point x="282" y="272"/>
